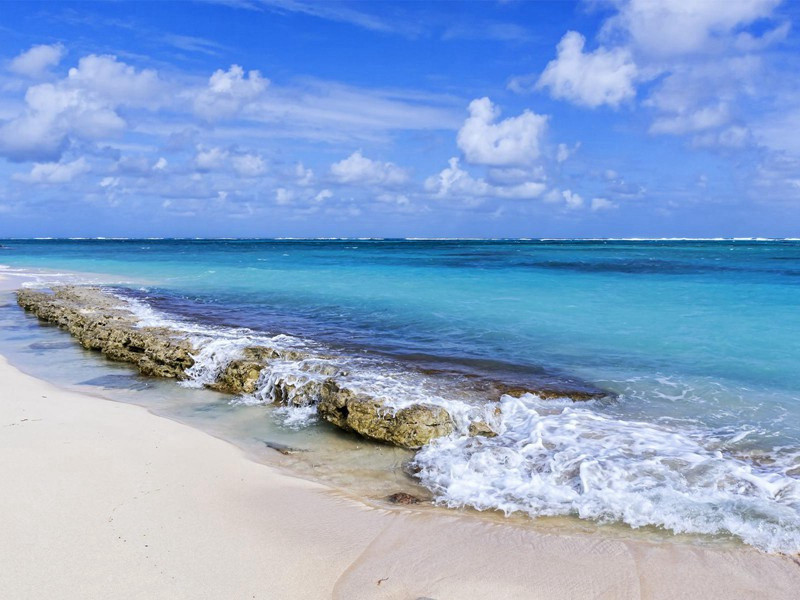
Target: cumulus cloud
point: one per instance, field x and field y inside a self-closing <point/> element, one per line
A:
<point x="210" y="159"/>
<point x="604" y="76"/>
<point x="55" y="172"/>
<point x="357" y="169"/>
<point x="82" y="106"/>
<point x="249" y="165"/>
<point x="228" y="92"/>
<point x="117" y="83"/>
<point x="37" y="61"/>
<point x="53" y="114"/>
<point x="512" y="141"/>
<point x="701" y="57"/>
<point x="457" y="182"/>
<point x="571" y="199"/>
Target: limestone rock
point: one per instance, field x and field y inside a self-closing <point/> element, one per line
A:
<point x="410" y="427"/>
<point x="100" y="321"/>
<point x="481" y="428"/>
<point x="239" y="377"/>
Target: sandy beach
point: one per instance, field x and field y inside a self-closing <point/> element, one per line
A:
<point x="102" y="499"/>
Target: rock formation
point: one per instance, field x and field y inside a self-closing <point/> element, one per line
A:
<point x="103" y="322"/>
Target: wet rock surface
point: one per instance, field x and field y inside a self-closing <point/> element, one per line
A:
<point x="410" y="427"/>
<point x="481" y="428"/>
<point x="101" y="321"/>
<point x="403" y="498"/>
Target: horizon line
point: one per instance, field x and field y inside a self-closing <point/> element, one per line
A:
<point x="407" y="239"/>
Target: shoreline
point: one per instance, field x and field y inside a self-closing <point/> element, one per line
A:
<point x="105" y="498"/>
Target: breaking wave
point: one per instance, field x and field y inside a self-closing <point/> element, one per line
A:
<point x="549" y="457"/>
<point x="556" y="458"/>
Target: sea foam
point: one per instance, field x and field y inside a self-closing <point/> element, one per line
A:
<point x="556" y="458"/>
<point x="550" y="457"/>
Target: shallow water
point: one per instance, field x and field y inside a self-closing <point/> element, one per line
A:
<point x="695" y="341"/>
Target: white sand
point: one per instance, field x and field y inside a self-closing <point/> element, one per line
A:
<point x="105" y="500"/>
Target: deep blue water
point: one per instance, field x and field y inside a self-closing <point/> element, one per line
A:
<point x="696" y="339"/>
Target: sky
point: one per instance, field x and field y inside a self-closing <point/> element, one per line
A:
<point x="287" y="118"/>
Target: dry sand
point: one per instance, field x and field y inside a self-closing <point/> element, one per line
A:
<point x="104" y="500"/>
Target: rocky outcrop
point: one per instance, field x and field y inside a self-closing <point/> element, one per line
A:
<point x="481" y="428"/>
<point x="411" y="427"/>
<point x="241" y="375"/>
<point x="100" y="321"/>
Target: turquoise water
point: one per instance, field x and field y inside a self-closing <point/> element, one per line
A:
<point x="694" y="341"/>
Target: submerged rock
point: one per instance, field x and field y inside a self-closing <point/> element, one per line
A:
<point x="546" y="393"/>
<point x="403" y="498"/>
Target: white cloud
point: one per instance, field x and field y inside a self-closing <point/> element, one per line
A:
<point x="456" y="182"/>
<point x="228" y="92"/>
<point x="323" y="195"/>
<point x="161" y="164"/>
<point x="705" y="117"/>
<point x="669" y="28"/>
<point x="304" y="176"/>
<point x="54" y="113"/>
<point x="117" y="83"/>
<point x="82" y="106"/>
<point x="602" y="204"/>
<point x="572" y="199"/>
<point x="357" y="169"/>
<point x="36" y="61"/>
<point x="284" y="196"/>
<point x="735" y="136"/>
<point x="55" y="172"/>
<point x="249" y="165"/>
<point x="398" y="199"/>
<point x="512" y="141"/>
<point x="591" y="79"/>
<point x="210" y="159"/>
<point x="563" y="151"/>
<point x="702" y="96"/>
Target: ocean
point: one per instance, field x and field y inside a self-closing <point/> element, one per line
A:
<point x="692" y="344"/>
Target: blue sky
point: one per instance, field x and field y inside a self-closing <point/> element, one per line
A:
<point x="291" y="118"/>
